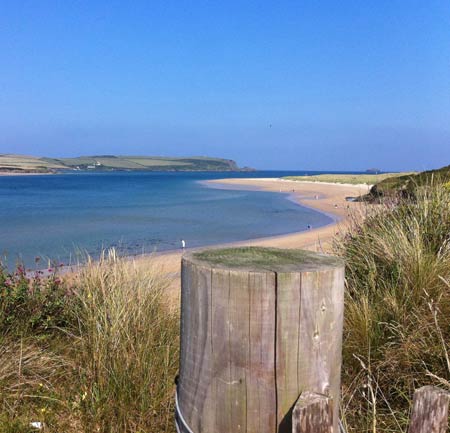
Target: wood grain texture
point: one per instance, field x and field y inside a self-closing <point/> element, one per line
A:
<point x="221" y="349"/>
<point x="321" y="322"/>
<point x="197" y="373"/>
<point x="430" y="410"/>
<point x="287" y="344"/>
<point x="184" y="387"/>
<point x="252" y="340"/>
<point x="261" y="390"/>
<point x="313" y="413"/>
<point x="239" y="316"/>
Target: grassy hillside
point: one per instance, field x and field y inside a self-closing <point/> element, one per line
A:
<point x="154" y="163"/>
<point x="407" y="183"/>
<point x="397" y="308"/>
<point x="27" y="164"/>
<point x="354" y="179"/>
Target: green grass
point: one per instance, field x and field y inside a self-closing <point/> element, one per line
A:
<point x="354" y="179"/>
<point x="98" y="352"/>
<point x="108" y="367"/>
<point x="19" y="163"/>
<point x="271" y="259"/>
<point x="111" y="162"/>
<point x="397" y="331"/>
<point x="407" y="184"/>
<point x="128" y="348"/>
<point x="27" y="163"/>
<point x="131" y="163"/>
<point x="151" y="162"/>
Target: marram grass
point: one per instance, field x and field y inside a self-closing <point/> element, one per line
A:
<point x="110" y="369"/>
<point x="128" y="345"/>
<point x="109" y="366"/>
<point x="397" y="327"/>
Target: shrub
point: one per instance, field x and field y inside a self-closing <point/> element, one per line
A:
<point x="33" y="303"/>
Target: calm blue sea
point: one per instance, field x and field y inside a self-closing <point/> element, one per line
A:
<point x="59" y="216"/>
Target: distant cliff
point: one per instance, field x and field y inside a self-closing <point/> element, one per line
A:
<point x="30" y="164"/>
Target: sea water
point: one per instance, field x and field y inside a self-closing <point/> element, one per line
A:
<point x="62" y="217"/>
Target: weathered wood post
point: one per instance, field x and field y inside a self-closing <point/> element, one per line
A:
<point x="430" y="410"/>
<point x="313" y="413"/>
<point x="258" y="327"/>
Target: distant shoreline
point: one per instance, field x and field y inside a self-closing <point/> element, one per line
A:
<point x="22" y="164"/>
<point x="33" y="173"/>
<point x="26" y="173"/>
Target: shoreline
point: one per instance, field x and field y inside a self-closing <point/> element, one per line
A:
<point x="324" y="197"/>
<point x="30" y="173"/>
<point x="329" y="199"/>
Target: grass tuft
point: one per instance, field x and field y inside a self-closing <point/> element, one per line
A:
<point x="397" y="332"/>
<point x="128" y="347"/>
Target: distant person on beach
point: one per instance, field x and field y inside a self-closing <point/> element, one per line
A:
<point x="183" y="244"/>
<point x="309" y="226"/>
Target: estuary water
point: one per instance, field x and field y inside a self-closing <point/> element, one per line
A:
<point x="62" y="217"/>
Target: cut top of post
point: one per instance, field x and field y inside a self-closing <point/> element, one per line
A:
<point x="261" y="259"/>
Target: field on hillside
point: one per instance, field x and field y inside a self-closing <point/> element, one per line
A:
<point x="132" y="163"/>
<point x="27" y="163"/>
<point x="21" y="163"/>
<point x="354" y="179"/>
<point x="112" y="162"/>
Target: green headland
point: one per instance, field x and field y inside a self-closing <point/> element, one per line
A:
<point x="31" y="164"/>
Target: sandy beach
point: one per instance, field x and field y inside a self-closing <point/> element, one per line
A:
<point x="325" y="197"/>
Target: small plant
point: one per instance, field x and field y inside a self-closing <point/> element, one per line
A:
<point x="30" y="302"/>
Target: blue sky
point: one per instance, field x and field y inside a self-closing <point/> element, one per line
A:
<point x="343" y="85"/>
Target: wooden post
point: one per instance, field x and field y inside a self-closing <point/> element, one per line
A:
<point x="258" y="327"/>
<point x="430" y="410"/>
<point x="313" y="413"/>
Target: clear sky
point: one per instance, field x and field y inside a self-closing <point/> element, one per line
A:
<point x="343" y="85"/>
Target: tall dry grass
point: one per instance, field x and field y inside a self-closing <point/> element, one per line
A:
<point x="110" y="368"/>
<point x="128" y="346"/>
<point x="397" y="328"/>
